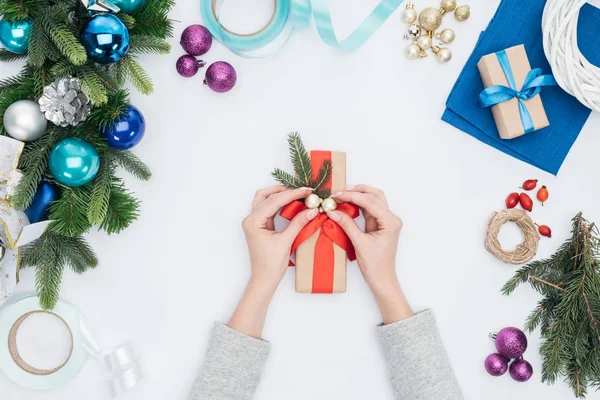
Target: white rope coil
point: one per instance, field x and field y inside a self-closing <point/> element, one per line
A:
<point x="572" y="71"/>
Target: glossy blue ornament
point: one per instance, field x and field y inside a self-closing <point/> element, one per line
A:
<point x="129" y="6"/>
<point x="105" y="38"/>
<point x="127" y="131"/>
<point x="14" y="36"/>
<point x="74" y="162"/>
<point x="46" y="193"/>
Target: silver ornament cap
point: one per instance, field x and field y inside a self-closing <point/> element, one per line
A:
<point x="64" y="103"/>
<point x="24" y="121"/>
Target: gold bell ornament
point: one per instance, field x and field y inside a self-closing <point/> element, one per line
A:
<point x="429" y="21"/>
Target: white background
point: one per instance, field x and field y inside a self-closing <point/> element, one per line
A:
<point x="163" y="282"/>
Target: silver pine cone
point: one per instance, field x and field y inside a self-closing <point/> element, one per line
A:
<point x="63" y="102"/>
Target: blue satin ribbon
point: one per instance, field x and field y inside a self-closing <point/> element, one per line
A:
<point x="290" y="14"/>
<point x="534" y="81"/>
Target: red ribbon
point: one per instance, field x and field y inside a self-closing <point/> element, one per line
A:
<point x="330" y="233"/>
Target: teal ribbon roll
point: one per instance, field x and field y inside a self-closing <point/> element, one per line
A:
<point x="534" y="81"/>
<point x="288" y="15"/>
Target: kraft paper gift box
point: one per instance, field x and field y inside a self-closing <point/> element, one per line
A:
<point x="321" y="267"/>
<point x="507" y="115"/>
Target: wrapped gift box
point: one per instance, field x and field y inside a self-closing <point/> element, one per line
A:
<point x="507" y="115"/>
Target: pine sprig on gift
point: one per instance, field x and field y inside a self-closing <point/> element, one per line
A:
<point x="322" y="179"/>
<point x="569" y="313"/>
<point x="55" y="52"/>
<point x="300" y="158"/>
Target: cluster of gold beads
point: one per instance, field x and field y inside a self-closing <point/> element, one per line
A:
<point x="429" y="21"/>
<point x="324" y="205"/>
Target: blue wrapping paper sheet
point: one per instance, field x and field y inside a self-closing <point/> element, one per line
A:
<point x="518" y="22"/>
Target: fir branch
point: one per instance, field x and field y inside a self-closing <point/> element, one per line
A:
<point x="138" y="77"/>
<point x="287" y="180"/>
<point x="152" y="19"/>
<point x="323" y="177"/>
<point x="100" y="194"/>
<point x="69" y="213"/>
<point x="300" y="159"/>
<point x="62" y="69"/>
<point x="68" y="44"/>
<point x="39" y="41"/>
<point x="123" y="209"/>
<point x="127" y="20"/>
<point x="148" y="44"/>
<point x="20" y="10"/>
<point x="131" y="163"/>
<point x="92" y="85"/>
<point x="106" y="114"/>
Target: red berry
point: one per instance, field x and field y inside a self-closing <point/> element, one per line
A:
<point x="542" y="194"/>
<point x="545" y="230"/>
<point x="526" y="202"/>
<point x="530" y="184"/>
<point x="512" y="200"/>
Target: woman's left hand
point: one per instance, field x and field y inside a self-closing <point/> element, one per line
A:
<point x="270" y="250"/>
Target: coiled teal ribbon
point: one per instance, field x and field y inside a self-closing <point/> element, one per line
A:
<point x="290" y="14"/>
<point x="531" y="87"/>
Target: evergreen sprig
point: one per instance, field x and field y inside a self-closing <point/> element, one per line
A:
<point x="55" y="52"/>
<point x="300" y="158"/>
<point x="569" y="313"/>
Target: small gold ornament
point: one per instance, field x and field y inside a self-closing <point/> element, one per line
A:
<point x="446" y="36"/>
<point x="409" y="15"/>
<point x="414" y="32"/>
<point x="329" y="204"/>
<point x="430" y="19"/>
<point x="462" y="13"/>
<point x="312" y="201"/>
<point x="448" y="5"/>
<point x="424" y="42"/>
<point x="443" y="54"/>
<point x="413" y="52"/>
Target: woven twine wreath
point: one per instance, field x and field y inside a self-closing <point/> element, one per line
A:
<point x="572" y="71"/>
<point x="526" y="250"/>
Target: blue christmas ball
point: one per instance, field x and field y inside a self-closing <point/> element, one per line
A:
<point x="127" y="131"/>
<point x="129" y="6"/>
<point x="105" y="38"/>
<point x="46" y="193"/>
<point x="14" y="36"/>
<point x="74" y="162"/>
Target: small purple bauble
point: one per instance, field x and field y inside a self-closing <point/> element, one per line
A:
<point x="187" y="66"/>
<point x="496" y="364"/>
<point x="220" y="77"/>
<point x="196" y="40"/>
<point x="520" y="370"/>
<point x="511" y="342"/>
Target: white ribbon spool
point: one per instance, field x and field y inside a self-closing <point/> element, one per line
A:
<point x="572" y="71"/>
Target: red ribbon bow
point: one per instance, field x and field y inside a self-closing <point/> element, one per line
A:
<point x="331" y="233"/>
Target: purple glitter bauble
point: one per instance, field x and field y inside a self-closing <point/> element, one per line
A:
<point x="196" y="40"/>
<point x="220" y="77"/>
<point x="496" y="364"/>
<point x="187" y="66"/>
<point x="511" y="342"/>
<point x="521" y="370"/>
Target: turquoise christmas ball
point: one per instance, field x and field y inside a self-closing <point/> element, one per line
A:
<point x="74" y="162"/>
<point x="129" y="6"/>
<point x="14" y="36"/>
<point x="105" y="38"/>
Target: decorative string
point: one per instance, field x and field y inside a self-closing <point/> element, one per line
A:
<point x="526" y="250"/>
<point x="572" y="71"/>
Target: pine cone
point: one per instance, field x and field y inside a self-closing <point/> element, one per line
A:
<point x="64" y="103"/>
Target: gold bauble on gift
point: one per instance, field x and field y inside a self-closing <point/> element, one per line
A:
<point x="430" y="19"/>
<point x="448" y="5"/>
<point x="462" y="13"/>
<point x="329" y="204"/>
<point x="312" y="201"/>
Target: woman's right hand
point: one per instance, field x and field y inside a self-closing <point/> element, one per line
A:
<point x="376" y="248"/>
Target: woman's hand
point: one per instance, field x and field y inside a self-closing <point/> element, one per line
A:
<point x="270" y="250"/>
<point x="376" y="248"/>
<point x="269" y="254"/>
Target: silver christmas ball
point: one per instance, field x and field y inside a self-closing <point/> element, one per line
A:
<point x="447" y="36"/>
<point x="414" y="31"/>
<point x="312" y="201"/>
<point x="424" y="42"/>
<point x="24" y="121"/>
<point x="329" y="204"/>
<point x="413" y="52"/>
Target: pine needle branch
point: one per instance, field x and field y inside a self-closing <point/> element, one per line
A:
<point x="287" y="180"/>
<point x="300" y="158"/>
<point x="131" y="163"/>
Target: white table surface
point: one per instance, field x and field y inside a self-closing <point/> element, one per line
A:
<point x="163" y="282"/>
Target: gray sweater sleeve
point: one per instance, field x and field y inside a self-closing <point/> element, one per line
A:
<point x="418" y="363"/>
<point x="232" y="366"/>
